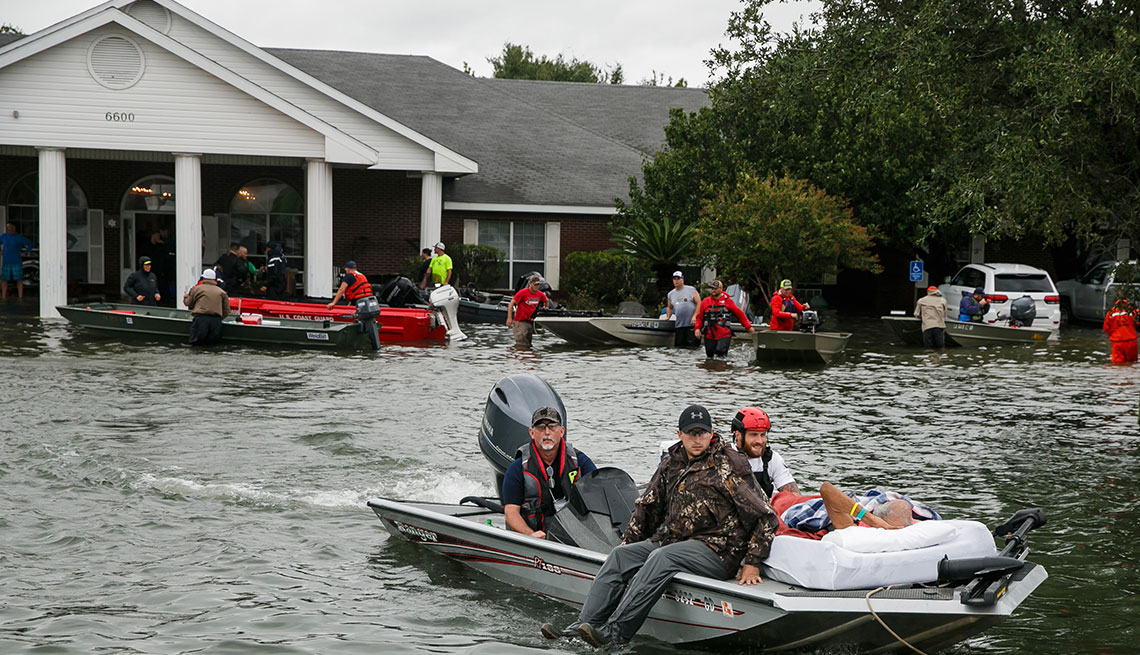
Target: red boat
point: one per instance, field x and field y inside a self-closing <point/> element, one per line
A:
<point x="396" y="323"/>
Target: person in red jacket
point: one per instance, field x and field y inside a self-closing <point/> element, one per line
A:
<point x="1120" y="326"/>
<point x="713" y="317"/>
<point x="785" y="307"/>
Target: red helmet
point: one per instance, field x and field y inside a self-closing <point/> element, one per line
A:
<point x="751" y="418"/>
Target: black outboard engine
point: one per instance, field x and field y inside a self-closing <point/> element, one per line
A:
<point x="367" y="310"/>
<point x="400" y="292"/>
<point x="1022" y="311"/>
<point x="543" y="286"/>
<point x="809" y="321"/>
<point x="506" y="418"/>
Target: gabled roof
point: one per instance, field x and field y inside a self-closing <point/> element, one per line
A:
<point x="537" y="143"/>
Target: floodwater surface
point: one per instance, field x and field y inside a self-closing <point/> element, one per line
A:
<point x="159" y="499"/>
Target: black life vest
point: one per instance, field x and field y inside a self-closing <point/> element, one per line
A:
<point x="538" y="484"/>
<point x="359" y="289"/>
<point x="715" y="315"/>
<point x="763" y="478"/>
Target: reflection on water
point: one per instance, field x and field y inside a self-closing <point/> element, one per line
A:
<point x="162" y="499"/>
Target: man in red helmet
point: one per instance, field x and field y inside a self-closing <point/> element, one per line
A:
<point x="1120" y="326"/>
<point x="750" y="429"/>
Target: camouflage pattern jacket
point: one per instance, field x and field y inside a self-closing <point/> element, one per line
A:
<point x="713" y="498"/>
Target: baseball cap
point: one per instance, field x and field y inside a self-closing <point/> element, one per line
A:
<point x="545" y="414"/>
<point x="980" y="291"/>
<point x="694" y="416"/>
<point x="716" y="284"/>
<point x="931" y="289"/>
<point x="678" y="274"/>
<point x="209" y="274"/>
<point x="440" y="246"/>
<point x="785" y="284"/>
<point x="146" y="261"/>
<point x="350" y="264"/>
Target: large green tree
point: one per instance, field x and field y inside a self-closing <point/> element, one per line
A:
<point x="517" y="62"/>
<point x="936" y="118"/>
<point x="758" y="230"/>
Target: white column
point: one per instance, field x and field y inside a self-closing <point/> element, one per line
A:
<point x="431" y="209"/>
<point x="187" y="222"/>
<point x="318" y="229"/>
<point x="53" y="231"/>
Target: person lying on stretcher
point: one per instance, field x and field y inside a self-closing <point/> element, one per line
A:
<point x="813" y="516"/>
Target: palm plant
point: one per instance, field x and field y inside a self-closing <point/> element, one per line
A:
<point x="661" y="244"/>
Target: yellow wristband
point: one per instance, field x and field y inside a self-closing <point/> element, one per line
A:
<point x="854" y="508"/>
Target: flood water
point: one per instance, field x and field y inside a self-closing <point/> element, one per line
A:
<point x="158" y="499"/>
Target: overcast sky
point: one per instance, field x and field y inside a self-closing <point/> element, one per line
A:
<point x="672" y="37"/>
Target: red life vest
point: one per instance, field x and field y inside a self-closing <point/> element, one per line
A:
<point x="359" y="289"/>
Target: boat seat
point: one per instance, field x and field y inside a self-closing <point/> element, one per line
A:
<point x="631" y="308"/>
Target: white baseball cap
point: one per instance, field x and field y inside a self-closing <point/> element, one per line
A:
<point x="209" y="274"/>
<point x="440" y="246"/>
<point x="679" y="274"/>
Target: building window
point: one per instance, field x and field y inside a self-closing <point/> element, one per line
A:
<point x="523" y="245"/>
<point x="269" y="210"/>
<point x="24" y="212"/>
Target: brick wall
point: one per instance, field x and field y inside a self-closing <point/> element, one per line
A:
<point x="376" y="219"/>
<point x="579" y="231"/>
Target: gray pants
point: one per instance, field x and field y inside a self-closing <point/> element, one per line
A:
<point x="633" y="578"/>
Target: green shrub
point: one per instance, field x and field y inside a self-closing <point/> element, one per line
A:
<point x="482" y="266"/>
<point x="410" y="268"/>
<point x="607" y="277"/>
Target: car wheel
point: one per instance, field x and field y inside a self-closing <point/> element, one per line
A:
<point x="1066" y="311"/>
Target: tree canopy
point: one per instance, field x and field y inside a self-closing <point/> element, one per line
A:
<point x="937" y="119"/>
<point x="517" y="62"/>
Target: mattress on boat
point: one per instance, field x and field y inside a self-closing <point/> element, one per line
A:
<point x="828" y="565"/>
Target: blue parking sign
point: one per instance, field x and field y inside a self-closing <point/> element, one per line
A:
<point x="916" y="271"/>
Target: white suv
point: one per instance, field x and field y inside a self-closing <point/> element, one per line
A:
<point x="1004" y="283"/>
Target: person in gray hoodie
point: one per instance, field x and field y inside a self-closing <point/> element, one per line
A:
<point x="142" y="285"/>
<point x="931" y="308"/>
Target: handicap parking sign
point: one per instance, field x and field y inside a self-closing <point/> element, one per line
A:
<point x="916" y="271"/>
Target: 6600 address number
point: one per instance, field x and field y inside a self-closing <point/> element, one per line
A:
<point x="120" y="117"/>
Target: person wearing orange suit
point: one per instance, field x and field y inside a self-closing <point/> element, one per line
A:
<point x="1120" y="326"/>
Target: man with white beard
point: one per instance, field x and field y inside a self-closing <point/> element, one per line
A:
<point x="543" y="471"/>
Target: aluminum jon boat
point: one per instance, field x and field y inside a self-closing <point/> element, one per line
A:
<point x="397" y="324"/>
<point x="909" y="330"/>
<point x="143" y="320"/>
<point x="942" y="593"/>
<point x="796" y="346"/>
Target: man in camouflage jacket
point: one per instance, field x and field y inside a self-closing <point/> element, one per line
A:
<point x="702" y="513"/>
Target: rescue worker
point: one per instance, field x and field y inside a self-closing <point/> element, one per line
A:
<point x="1120" y="326"/>
<point x="208" y="305"/>
<point x="713" y="319"/>
<point x="702" y="513"/>
<point x="440" y="266"/>
<point x="543" y="471"/>
<point x="931" y="308"/>
<point x="750" y="429"/>
<point x="353" y="285"/>
<point x="785" y="308"/>
<point x="973" y="307"/>
<point x="142" y="285"/>
<point x="275" y="265"/>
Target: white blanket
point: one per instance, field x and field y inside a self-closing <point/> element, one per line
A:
<point x="827" y="565"/>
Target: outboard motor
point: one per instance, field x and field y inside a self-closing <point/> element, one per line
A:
<point x="367" y="310"/>
<point x="739" y="297"/>
<point x="543" y="286"/>
<point x="809" y="321"/>
<point x="506" y="418"/>
<point x="1022" y="311"/>
<point x="446" y="299"/>
<point x="399" y="292"/>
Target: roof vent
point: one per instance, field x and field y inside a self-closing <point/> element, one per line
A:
<point x="116" y="62"/>
<point x="151" y="13"/>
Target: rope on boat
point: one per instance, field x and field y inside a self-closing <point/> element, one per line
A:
<point x="894" y="634"/>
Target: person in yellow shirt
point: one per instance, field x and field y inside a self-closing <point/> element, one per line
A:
<point x="440" y="266"/>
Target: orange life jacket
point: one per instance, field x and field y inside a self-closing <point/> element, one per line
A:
<point x="359" y="289"/>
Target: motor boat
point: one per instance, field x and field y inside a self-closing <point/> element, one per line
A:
<point x="815" y="594"/>
<point x="144" y="320"/>
<point x="395" y="324"/>
<point x="908" y="329"/>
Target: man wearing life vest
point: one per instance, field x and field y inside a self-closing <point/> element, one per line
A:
<point x="785" y="307"/>
<point x="353" y="285"/>
<point x="543" y="471"/>
<point x="750" y="429"/>
<point x="713" y="319"/>
<point x="1120" y="326"/>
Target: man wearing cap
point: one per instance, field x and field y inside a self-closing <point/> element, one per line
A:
<point x="208" y="304"/>
<point x="713" y="320"/>
<point x="520" y="313"/>
<point x="931" y="308"/>
<point x="681" y="304"/>
<point x="543" y="471"/>
<point x="142" y="285"/>
<point x="785" y="308"/>
<point x="353" y="285"/>
<point x="973" y="306"/>
<point x="702" y="513"/>
<point x="750" y="429"/>
<point x="440" y="265"/>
